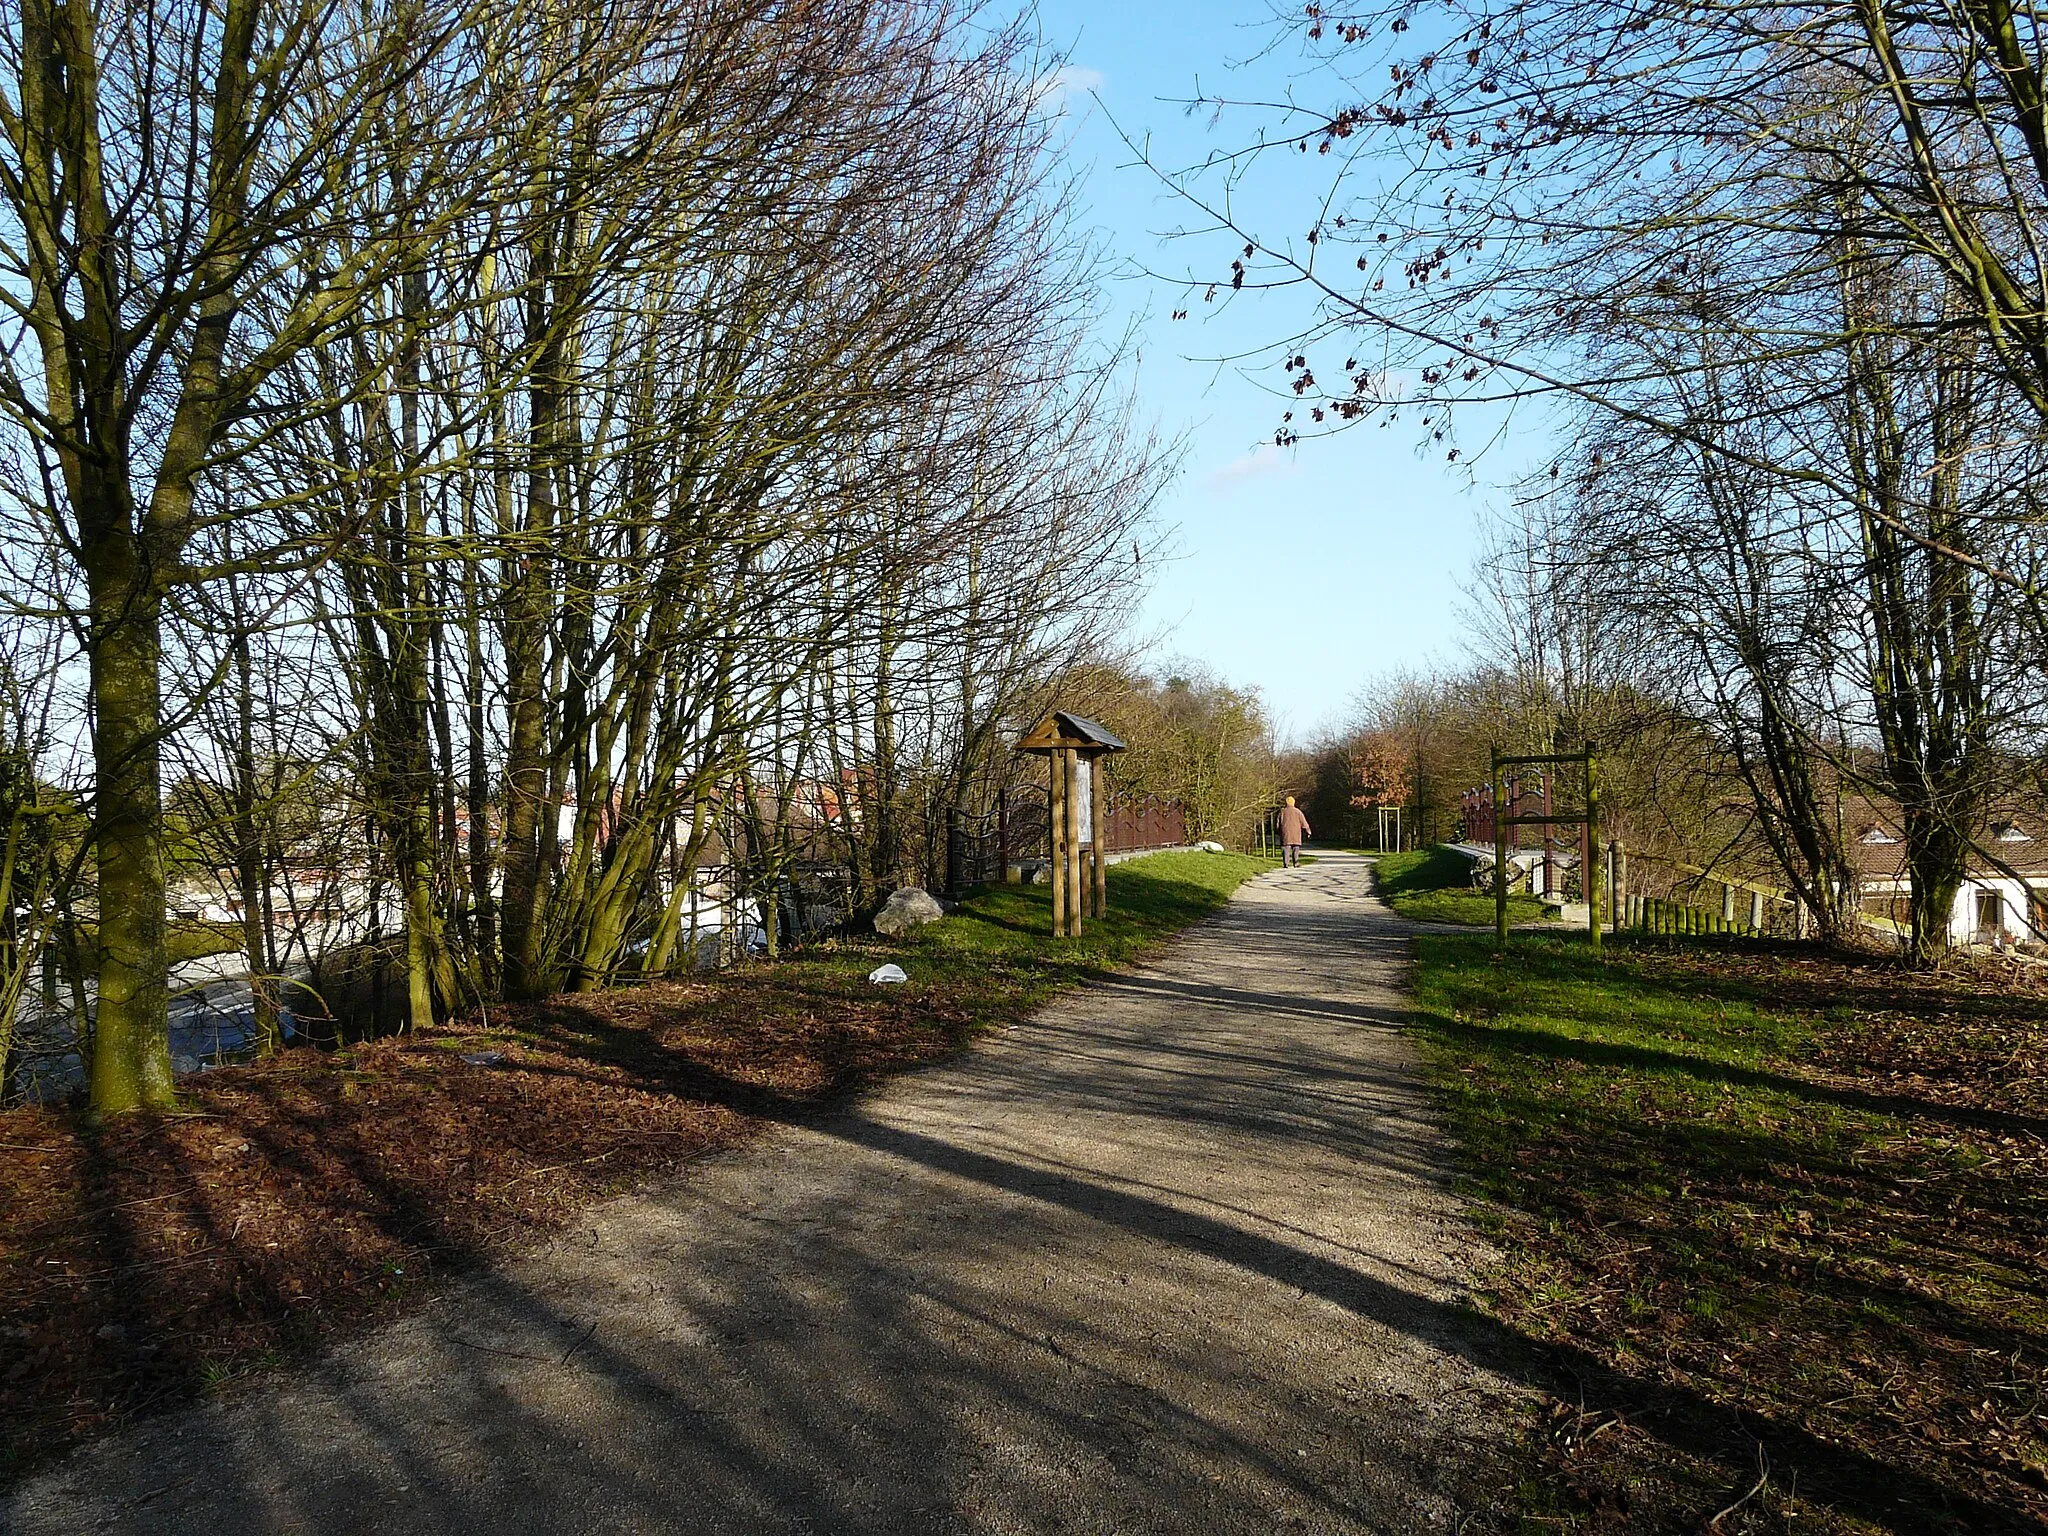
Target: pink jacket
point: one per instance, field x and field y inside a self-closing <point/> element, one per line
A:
<point x="1293" y="825"/>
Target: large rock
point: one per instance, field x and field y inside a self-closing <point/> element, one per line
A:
<point x="907" y="909"/>
<point x="1208" y="847"/>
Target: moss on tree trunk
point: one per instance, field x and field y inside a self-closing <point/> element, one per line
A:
<point x="131" y="1059"/>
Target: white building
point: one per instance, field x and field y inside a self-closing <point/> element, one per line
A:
<point x="2003" y="899"/>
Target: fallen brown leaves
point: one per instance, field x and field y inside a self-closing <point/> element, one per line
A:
<point x="147" y="1259"/>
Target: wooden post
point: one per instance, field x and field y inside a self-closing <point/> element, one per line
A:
<point x="1756" y="911"/>
<point x="1500" y="859"/>
<point x="1056" y="803"/>
<point x="1549" y="833"/>
<point x="1591" y="864"/>
<point x="1003" y="835"/>
<point x="1098" y="808"/>
<point x="1073" y="825"/>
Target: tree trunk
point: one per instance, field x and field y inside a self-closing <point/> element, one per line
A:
<point x="131" y="1058"/>
<point x="249" y="845"/>
<point x="525" y="688"/>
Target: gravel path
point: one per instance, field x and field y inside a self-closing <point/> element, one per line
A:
<point x="1174" y="1256"/>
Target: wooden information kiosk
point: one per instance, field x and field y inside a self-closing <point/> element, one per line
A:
<point x="1072" y="746"/>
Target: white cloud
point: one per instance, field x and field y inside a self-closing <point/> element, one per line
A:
<point x="1068" y="81"/>
<point x="1265" y="462"/>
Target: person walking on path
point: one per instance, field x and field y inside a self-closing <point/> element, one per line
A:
<point x="1293" y="828"/>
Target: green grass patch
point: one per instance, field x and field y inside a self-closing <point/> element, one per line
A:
<point x="989" y="963"/>
<point x="1434" y="885"/>
<point x="1000" y="944"/>
<point x="1759" y="1196"/>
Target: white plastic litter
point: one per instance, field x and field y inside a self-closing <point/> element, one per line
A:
<point x="887" y="975"/>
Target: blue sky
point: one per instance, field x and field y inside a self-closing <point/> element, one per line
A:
<point x="1301" y="571"/>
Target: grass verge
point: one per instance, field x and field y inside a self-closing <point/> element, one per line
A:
<point x="1774" y="1222"/>
<point x="1434" y="885"/>
<point x="152" y="1259"/>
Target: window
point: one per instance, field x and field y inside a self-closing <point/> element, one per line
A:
<point x="1876" y="834"/>
<point x="2009" y="832"/>
<point x="1990" y="915"/>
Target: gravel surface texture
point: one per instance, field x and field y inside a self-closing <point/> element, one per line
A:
<point x="1177" y="1255"/>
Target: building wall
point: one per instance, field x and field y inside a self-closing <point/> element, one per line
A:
<point x="2012" y="915"/>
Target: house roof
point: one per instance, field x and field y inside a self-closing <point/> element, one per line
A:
<point x="1061" y="729"/>
<point x="2016" y="835"/>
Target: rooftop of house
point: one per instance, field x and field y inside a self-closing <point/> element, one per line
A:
<point x="2009" y="837"/>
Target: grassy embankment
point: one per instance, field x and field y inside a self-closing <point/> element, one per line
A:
<point x="145" y="1260"/>
<point x="1774" y="1221"/>
<point x="1434" y="885"/>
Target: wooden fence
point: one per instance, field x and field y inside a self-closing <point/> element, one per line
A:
<point x="987" y="847"/>
<point x="1694" y="900"/>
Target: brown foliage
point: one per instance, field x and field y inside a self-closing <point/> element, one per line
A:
<point x="143" y="1260"/>
<point x="1381" y="771"/>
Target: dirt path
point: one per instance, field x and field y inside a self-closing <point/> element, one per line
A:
<point x="1175" y="1256"/>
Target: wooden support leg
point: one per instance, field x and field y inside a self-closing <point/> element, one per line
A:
<point x="1057" y="764"/>
<point x="1098" y="794"/>
<point x="1589" y="866"/>
<point x="1618" y="886"/>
